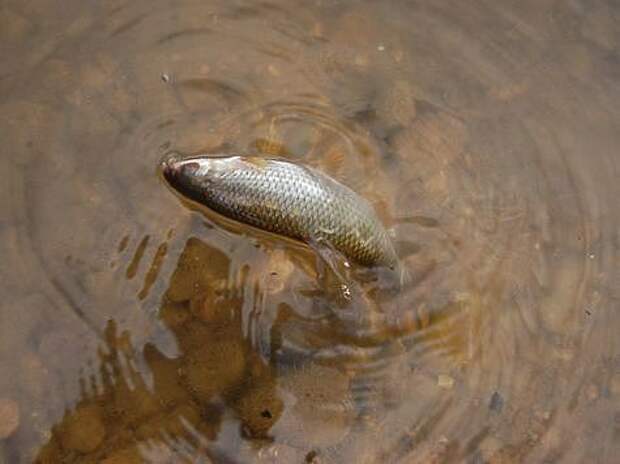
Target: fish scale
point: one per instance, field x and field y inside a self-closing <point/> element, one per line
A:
<point x="285" y="198"/>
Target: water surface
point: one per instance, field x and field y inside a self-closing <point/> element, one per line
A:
<point x="133" y="328"/>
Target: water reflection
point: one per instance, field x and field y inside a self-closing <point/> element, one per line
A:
<point x="272" y="361"/>
<point x="175" y="406"/>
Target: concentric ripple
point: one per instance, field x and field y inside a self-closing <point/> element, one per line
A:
<point x="136" y="328"/>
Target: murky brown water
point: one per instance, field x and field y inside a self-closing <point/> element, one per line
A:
<point x="134" y="329"/>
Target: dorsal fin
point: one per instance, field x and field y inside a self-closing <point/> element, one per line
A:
<point x="258" y="161"/>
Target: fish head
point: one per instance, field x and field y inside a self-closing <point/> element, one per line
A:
<point x="192" y="176"/>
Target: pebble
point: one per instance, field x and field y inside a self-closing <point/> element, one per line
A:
<point x="273" y="70"/>
<point x="318" y="30"/>
<point x="9" y="417"/>
<point x="361" y="60"/>
<point x="591" y="392"/>
<point x="445" y="381"/>
<point x="259" y="408"/>
<point x="497" y="402"/>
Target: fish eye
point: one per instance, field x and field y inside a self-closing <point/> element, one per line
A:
<point x="190" y="168"/>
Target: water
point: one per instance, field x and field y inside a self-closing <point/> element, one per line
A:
<point x="133" y="328"/>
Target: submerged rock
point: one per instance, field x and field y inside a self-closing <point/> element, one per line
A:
<point x="196" y="270"/>
<point x="83" y="430"/>
<point x="259" y="408"/>
<point x="214" y="367"/>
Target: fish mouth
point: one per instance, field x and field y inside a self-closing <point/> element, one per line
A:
<point x="174" y="165"/>
<point x="169" y="164"/>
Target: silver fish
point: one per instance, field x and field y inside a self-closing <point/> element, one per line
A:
<point x="285" y="198"/>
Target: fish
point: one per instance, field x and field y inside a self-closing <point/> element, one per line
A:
<point x="287" y="199"/>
